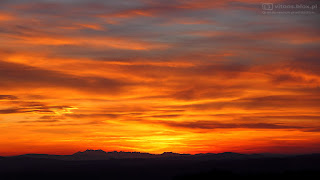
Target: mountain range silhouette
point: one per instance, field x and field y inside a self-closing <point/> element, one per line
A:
<point x="98" y="164"/>
<point x="99" y="154"/>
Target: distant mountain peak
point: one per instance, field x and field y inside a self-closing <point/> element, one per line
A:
<point x="168" y="153"/>
<point x="91" y="152"/>
<point x="230" y="153"/>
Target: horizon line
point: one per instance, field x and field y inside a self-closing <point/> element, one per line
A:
<point x="162" y="153"/>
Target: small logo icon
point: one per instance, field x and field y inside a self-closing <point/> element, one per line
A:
<point x="267" y="6"/>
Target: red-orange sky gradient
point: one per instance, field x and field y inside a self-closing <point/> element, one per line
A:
<point x="186" y="76"/>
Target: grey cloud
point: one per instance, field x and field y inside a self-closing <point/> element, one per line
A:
<point x="8" y="97"/>
<point x="19" y="75"/>
<point x="219" y="125"/>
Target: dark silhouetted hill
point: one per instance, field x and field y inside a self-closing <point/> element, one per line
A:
<point x="143" y="166"/>
<point x="102" y="155"/>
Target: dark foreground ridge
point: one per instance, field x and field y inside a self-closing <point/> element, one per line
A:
<point x="97" y="164"/>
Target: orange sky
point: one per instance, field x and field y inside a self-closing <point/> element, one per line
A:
<point x="190" y="76"/>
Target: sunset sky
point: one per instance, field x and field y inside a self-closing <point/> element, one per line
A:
<point x="186" y="76"/>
